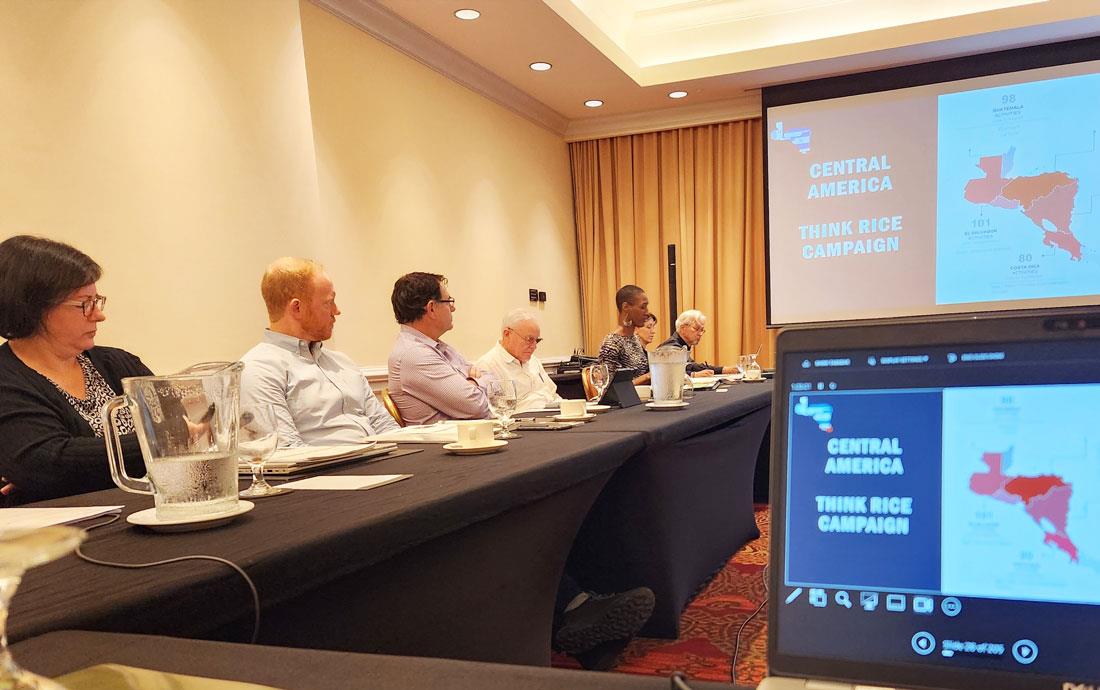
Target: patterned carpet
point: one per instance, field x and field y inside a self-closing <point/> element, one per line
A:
<point x="709" y="624"/>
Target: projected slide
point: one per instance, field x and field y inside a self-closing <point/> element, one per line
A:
<point x="848" y="210"/>
<point x="1013" y="162"/>
<point x="950" y="197"/>
<point x="1021" y="492"/>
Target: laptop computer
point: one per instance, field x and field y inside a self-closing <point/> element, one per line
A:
<point x="936" y="505"/>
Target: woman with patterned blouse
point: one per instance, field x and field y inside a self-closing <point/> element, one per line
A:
<point x="622" y="349"/>
<point x="53" y="379"/>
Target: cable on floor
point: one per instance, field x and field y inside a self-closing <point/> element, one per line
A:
<point x="737" y="637"/>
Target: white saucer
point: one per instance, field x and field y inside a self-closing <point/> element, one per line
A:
<point x="759" y="380"/>
<point x="591" y="407"/>
<point x="490" y="447"/>
<point x="670" y="405"/>
<point x="567" y="418"/>
<point x="148" y="518"/>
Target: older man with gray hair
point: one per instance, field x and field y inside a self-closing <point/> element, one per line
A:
<point x="690" y="327"/>
<point x="513" y="358"/>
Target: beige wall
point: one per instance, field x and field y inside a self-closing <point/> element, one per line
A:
<point x="150" y="135"/>
<point x="180" y="144"/>
<point x="418" y="173"/>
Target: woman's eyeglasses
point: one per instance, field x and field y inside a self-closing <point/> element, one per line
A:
<point x="88" y="304"/>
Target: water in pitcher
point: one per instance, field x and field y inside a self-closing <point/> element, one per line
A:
<point x="196" y="484"/>
<point x="666" y="368"/>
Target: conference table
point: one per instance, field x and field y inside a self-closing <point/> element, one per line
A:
<point x="461" y="561"/>
<point x="63" y="652"/>
<point x="673" y="515"/>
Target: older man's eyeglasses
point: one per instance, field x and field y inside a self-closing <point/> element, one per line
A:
<point x="449" y="300"/>
<point x="528" y="339"/>
<point x="88" y="304"/>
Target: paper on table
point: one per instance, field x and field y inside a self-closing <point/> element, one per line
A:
<point x="345" y="482"/>
<point x="118" y="677"/>
<point x="33" y="518"/>
<point x="440" y="432"/>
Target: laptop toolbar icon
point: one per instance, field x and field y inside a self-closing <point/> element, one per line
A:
<point x="868" y="600"/>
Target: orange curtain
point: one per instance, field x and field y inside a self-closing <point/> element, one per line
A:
<point x="700" y="188"/>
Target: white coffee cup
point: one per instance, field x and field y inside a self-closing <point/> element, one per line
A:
<point x="644" y="392"/>
<point x="573" y="408"/>
<point x="475" y="433"/>
<point x="752" y="375"/>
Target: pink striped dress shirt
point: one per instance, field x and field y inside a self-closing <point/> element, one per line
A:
<point x="427" y="381"/>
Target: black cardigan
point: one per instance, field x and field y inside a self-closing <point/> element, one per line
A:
<point x="692" y="365"/>
<point x="46" y="448"/>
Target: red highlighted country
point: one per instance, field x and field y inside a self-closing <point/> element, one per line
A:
<point x="1045" y="198"/>
<point x="1045" y="497"/>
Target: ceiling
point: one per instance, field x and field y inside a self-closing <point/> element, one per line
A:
<point x="631" y="53"/>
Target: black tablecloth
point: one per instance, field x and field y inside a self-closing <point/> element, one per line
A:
<point x="706" y="410"/>
<point x="462" y="560"/>
<point x="59" y="653"/>
<point x="672" y="516"/>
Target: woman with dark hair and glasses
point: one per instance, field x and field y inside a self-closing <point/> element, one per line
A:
<point x="53" y="378"/>
<point x="621" y="349"/>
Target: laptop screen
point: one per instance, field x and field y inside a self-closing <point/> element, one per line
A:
<point x="936" y="504"/>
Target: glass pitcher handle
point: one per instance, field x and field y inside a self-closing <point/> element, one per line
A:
<point x="115" y="459"/>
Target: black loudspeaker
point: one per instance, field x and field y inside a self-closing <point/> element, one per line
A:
<point x="673" y="312"/>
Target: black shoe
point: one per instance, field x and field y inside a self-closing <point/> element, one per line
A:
<point x="603" y="656"/>
<point x="604" y="618"/>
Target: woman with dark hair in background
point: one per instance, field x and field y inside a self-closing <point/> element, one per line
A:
<point x="53" y="379"/>
<point x="621" y="349"/>
<point x="647" y="331"/>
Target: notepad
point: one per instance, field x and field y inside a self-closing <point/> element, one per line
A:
<point x="33" y="518"/>
<point x="344" y="482"/>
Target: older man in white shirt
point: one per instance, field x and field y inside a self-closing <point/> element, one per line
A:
<point x="320" y="396"/>
<point x="513" y="358"/>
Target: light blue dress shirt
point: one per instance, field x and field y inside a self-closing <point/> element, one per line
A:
<point x="320" y="396"/>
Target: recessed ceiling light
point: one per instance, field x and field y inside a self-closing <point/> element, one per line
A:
<point x="540" y="66"/>
<point x="678" y="94"/>
<point x="467" y="14"/>
<point x="594" y="103"/>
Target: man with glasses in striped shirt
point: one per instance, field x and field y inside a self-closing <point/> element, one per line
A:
<point x="429" y="380"/>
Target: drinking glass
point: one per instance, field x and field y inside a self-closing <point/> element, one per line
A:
<point x="689" y="389"/>
<point x="753" y="372"/>
<point x="743" y="363"/>
<point x="600" y="378"/>
<point x="256" y="441"/>
<point x="21" y="550"/>
<point x="502" y="402"/>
